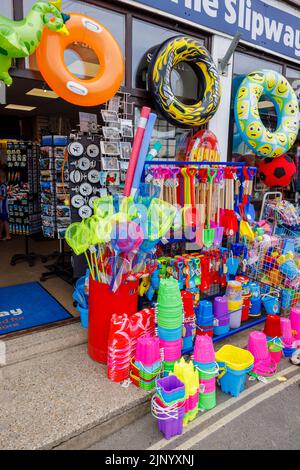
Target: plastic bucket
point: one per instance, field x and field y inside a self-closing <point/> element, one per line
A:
<point x="84" y="316"/>
<point x="170" y="389"/>
<point x="235" y="319"/>
<point x="204" y="349"/>
<point x="271" y="304"/>
<point x="207" y="401"/>
<point x="295" y="321"/>
<point x="232" y="381"/>
<point x="257" y="345"/>
<point x="207" y="386"/>
<point x="255" y="309"/>
<point x="272" y="326"/>
<point x="103" y="303"/>
<point x="221" y="330"/>
<point x="276" y="355"/>
<point x="169" y="335"/>
<point x="246" y="307"/>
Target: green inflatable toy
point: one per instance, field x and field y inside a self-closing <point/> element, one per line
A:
<point x="19" y="39"/>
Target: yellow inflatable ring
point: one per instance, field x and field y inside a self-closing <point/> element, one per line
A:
<point x="92" y="92"/>
<point x="170" y="53"/>
<point x="276" y="87"/>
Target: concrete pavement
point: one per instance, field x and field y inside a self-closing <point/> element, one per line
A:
<point x="264" y="416"/>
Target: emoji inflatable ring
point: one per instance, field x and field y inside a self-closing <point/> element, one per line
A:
<point x="91" y="92"/>
<point x="274" y="86"/>
<point x="167" y="56"/>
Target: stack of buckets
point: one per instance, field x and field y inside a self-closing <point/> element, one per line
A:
<point x="204" y="361"/>
<point x="272" y="331"/>
<point x="295" y="323"/>
<point x="246" y="296"/>
<point x="168" y="405"/>
<point x="234" y="364"/>
<point x="147" y="364"/>
<point x="235" y="303"/>
<point x="188" y="333"/>
<point x="169" y="321"/>
<point x="221" y="316"/>
<point x="119" y="348"/>
<point x="255" y="309"/>
<point x="204" y="318"/>
<point x="264" y="365"/>
<point x="288" y="340"/>
<point x="186" y="372"/>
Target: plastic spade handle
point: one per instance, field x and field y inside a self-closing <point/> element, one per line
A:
<point x="143" y="153"/>
<point x="138" y="139"/>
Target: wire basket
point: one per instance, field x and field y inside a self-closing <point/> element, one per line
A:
<point x="274" y="263"/>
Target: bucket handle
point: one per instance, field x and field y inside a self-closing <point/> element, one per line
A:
<point x="224" y="371"/>
<point x="215" y="371"/>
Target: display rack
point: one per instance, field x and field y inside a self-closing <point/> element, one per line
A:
<point x="251" y="322"/>
<point x="23" y="195"/>
<point x="55" y="203"/>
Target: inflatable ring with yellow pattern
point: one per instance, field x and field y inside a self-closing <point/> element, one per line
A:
<point x="270" y="84"/>
<point x="167" y="56"/>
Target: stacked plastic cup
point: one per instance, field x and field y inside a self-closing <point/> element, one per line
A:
<point x="204" y="318"/>
<point x="204" y="361"/>
<point x="246" y="296"/>
<point x="169" y="321"/>
<point x="295" y="321"/>
<point x="273" y="332"/>
<point x="288" y="340"/>
<point x="168" y="405"/>
<point x="186" y="372"/>
<point x="189" y="321"/>
<point x="147" y="360"/>
<point x="235" y="303"/>
<point x="258" y="346"/>
<point x="119" y="348"/>
<point x="221" y="316"/>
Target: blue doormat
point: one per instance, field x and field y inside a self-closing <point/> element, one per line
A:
<point x="26" y="306"/>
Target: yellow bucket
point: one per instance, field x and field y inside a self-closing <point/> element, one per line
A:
<point x="234" y="357"/>
<point x="234" y="305"/>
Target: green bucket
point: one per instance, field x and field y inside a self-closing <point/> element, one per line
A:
<point x="207" y="401"/>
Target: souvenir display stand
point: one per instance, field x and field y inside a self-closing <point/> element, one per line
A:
<point x="55" y="204"/>
<point x="23" y="194"/>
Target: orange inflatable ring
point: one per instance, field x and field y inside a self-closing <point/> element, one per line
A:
<point x="91" y="92"/>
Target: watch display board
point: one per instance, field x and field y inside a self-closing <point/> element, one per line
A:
<point x="23" y="188"/>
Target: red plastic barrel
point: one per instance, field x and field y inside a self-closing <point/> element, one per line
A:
<point x="272" y="326"/>
<point x="103" y="303"/>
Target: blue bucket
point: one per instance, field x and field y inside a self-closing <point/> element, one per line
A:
<point x="84" y="316"/>
<point x="221" y="330"/>
<point x="271" y="305"/>
<point x="169" y="335"/>
<point x="233" y="381"/>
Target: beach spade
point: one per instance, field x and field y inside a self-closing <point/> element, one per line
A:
<point x="219" y="230"/>
<point x="209" y="233"/>
<point x="245" y="229"/>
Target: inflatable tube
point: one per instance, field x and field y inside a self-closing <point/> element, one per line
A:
<point x="170" y="53"/>
<point x="276" y="87"/>
<point x="92" y="92"/>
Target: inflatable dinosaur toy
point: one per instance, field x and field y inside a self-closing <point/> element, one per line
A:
<point x="20" y="39"/>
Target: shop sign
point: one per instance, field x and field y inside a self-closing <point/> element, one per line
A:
<point x="260" y="24"/>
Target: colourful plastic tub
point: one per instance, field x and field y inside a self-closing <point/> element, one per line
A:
<point x="232" y="381"/>
<point x="234" y="357"/>
<point x="207" y="401"/>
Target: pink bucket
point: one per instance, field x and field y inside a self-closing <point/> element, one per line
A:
<point x="204" y="349"/>
<point x="276" y="356"/>
<point x="209" y="385"/>
<point x="172" y="349"/>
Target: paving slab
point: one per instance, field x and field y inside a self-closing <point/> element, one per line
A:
<point x="51" y="399"/>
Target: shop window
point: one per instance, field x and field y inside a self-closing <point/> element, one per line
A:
<point x="146" y="37"/>
<point x="243" y="65"/>
<point x="81" y="60"/>
<point x="174" y="140"/>
<point x="7" y="8"/>
<point x="293" y="77"/>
